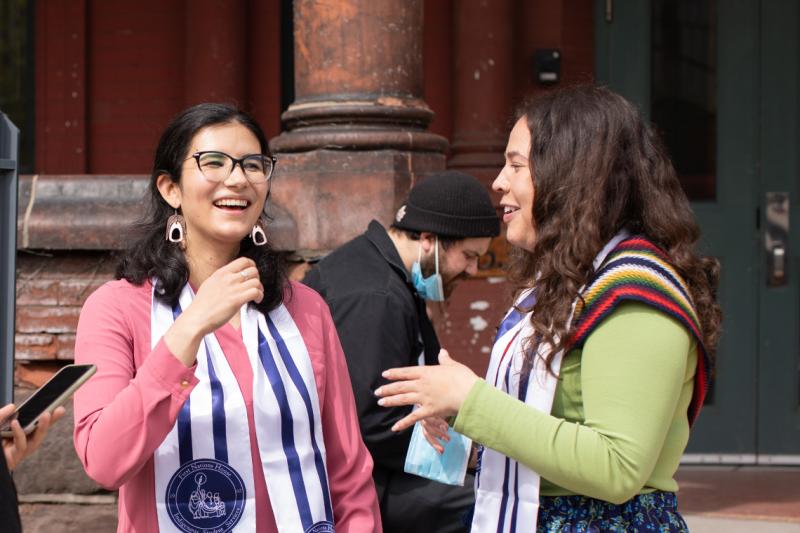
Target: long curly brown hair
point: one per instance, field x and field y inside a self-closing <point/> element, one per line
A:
<point x="597" y="167"/>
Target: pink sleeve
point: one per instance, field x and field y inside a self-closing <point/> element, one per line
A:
<point x="355" y="503"/>
<point x="124" y="412"/>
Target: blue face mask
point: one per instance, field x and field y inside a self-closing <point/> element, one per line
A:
<point x="429" y="288"/>
<point x="449" y="467"/>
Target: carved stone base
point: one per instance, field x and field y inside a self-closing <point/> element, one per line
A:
<point x="331" y="195"/>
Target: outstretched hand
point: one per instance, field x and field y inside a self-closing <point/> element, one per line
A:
<point x="437" y="390"/>
<point x="20" y="445"/>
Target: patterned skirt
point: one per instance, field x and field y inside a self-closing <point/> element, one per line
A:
<point x="657" y="511"/>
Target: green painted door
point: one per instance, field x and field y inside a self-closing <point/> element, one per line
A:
<point x="720" y="79"/>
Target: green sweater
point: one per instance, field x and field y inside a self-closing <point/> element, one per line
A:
<point x="619" y="424"/>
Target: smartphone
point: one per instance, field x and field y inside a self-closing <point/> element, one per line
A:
<point x="47" y="397"/>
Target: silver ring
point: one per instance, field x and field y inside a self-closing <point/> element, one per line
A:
<point x="241" y="273"/>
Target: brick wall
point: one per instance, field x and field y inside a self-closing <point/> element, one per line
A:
<point x="110" y="75"/>
<point x="51" y="289"/>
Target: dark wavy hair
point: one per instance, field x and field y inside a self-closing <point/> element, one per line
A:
<point x="150" y="255"/>
<point x="597" y="167"/>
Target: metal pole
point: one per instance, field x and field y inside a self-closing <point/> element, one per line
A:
<point x="9" y="152"/>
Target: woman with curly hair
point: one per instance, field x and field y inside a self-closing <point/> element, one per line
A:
<point x="601" y="366"/>
<point x="222" y="400"/>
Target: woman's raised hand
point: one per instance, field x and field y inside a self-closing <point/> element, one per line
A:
<point x="224" y="292"/>
<point x="437" y="390"/>
<point x="217" y="300"/>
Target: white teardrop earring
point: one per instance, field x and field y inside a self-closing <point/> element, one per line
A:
<point x="258" y="235"/>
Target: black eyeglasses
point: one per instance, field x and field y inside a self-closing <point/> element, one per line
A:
<point x="217" y="166"/>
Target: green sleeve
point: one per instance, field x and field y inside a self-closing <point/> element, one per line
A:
<point x="633" y="369"/>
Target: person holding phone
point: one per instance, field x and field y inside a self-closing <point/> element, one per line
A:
<point x="222" y="398"/>
<point x="15" y="449"/>
<point x="601" y="366"/>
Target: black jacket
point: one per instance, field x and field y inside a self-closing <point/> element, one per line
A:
<point x="382" y="323"/>
<point x="380" y="320"/>
<point x="9" y="514"/>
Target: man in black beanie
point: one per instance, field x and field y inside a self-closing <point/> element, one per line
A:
<point x="376" y="286"/>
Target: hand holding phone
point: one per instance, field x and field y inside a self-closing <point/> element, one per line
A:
<point x="46" y="398"/>
<point x="35" y="414"/>
<point x="20" y="446"/>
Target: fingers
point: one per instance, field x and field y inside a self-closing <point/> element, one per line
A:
<point x="236" y="283"/>
<point x="435" y="444"/>
<point x="408" y="372"/>
<point x="249" y="279"/>
<point x="410" y="398"/>
<point x="258" y="295"/>
<point x="42" y="426"/>
<point x="254" y="287"/>
<point x="20" y="442"/>
<point x="45" y="419"/>
<point x="444" y="357"/>
<point x="410" y="419"/>
<point x="437" y="428"/>
<point x="6" y="411"/>
<point x="248" y="274"/>
<point x="240" y="263"/>
<point x="398" y="387"/>
<point x="434" y="433"/>
<point x="58" y="413"/>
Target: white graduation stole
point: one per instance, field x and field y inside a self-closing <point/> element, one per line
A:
<point x="507" y="492"/>
<point x="203" y="469"/>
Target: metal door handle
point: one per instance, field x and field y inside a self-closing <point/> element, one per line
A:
<point x="776" y="238"/>
<point x="778" y="264"/>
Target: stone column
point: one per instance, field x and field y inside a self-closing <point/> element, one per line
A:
<point x="483" y="86"/>
<point x="355" y="136"/>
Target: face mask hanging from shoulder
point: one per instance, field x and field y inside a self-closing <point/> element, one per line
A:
<point x="430" y="288"/>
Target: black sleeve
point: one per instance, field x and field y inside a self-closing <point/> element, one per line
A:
<point x="377" y="331"/>
<point x="312" y="279"/>
<point x="9" y="513"/>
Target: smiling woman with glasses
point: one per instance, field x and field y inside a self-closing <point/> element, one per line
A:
<point x="222" y="398"/>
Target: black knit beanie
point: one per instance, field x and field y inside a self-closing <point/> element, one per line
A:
<point x="449" y="204"/>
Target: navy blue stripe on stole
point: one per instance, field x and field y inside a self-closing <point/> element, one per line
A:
<point x="504" y="500"/>
<point x="514" y="316"/>
<point x="522" y="393"/>
<point x="287" y="431"/>
<point x="184" y="416"/>
<point x="515" y="507"/>
<point x="185" y="433"/>
<point x="217" y="411"/>
<point x="297" y="379"/>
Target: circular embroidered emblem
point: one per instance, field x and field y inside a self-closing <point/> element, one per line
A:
<point x="400" y="213"/>
<point x="321" y="527"/>
<point x="205" y="496"/>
